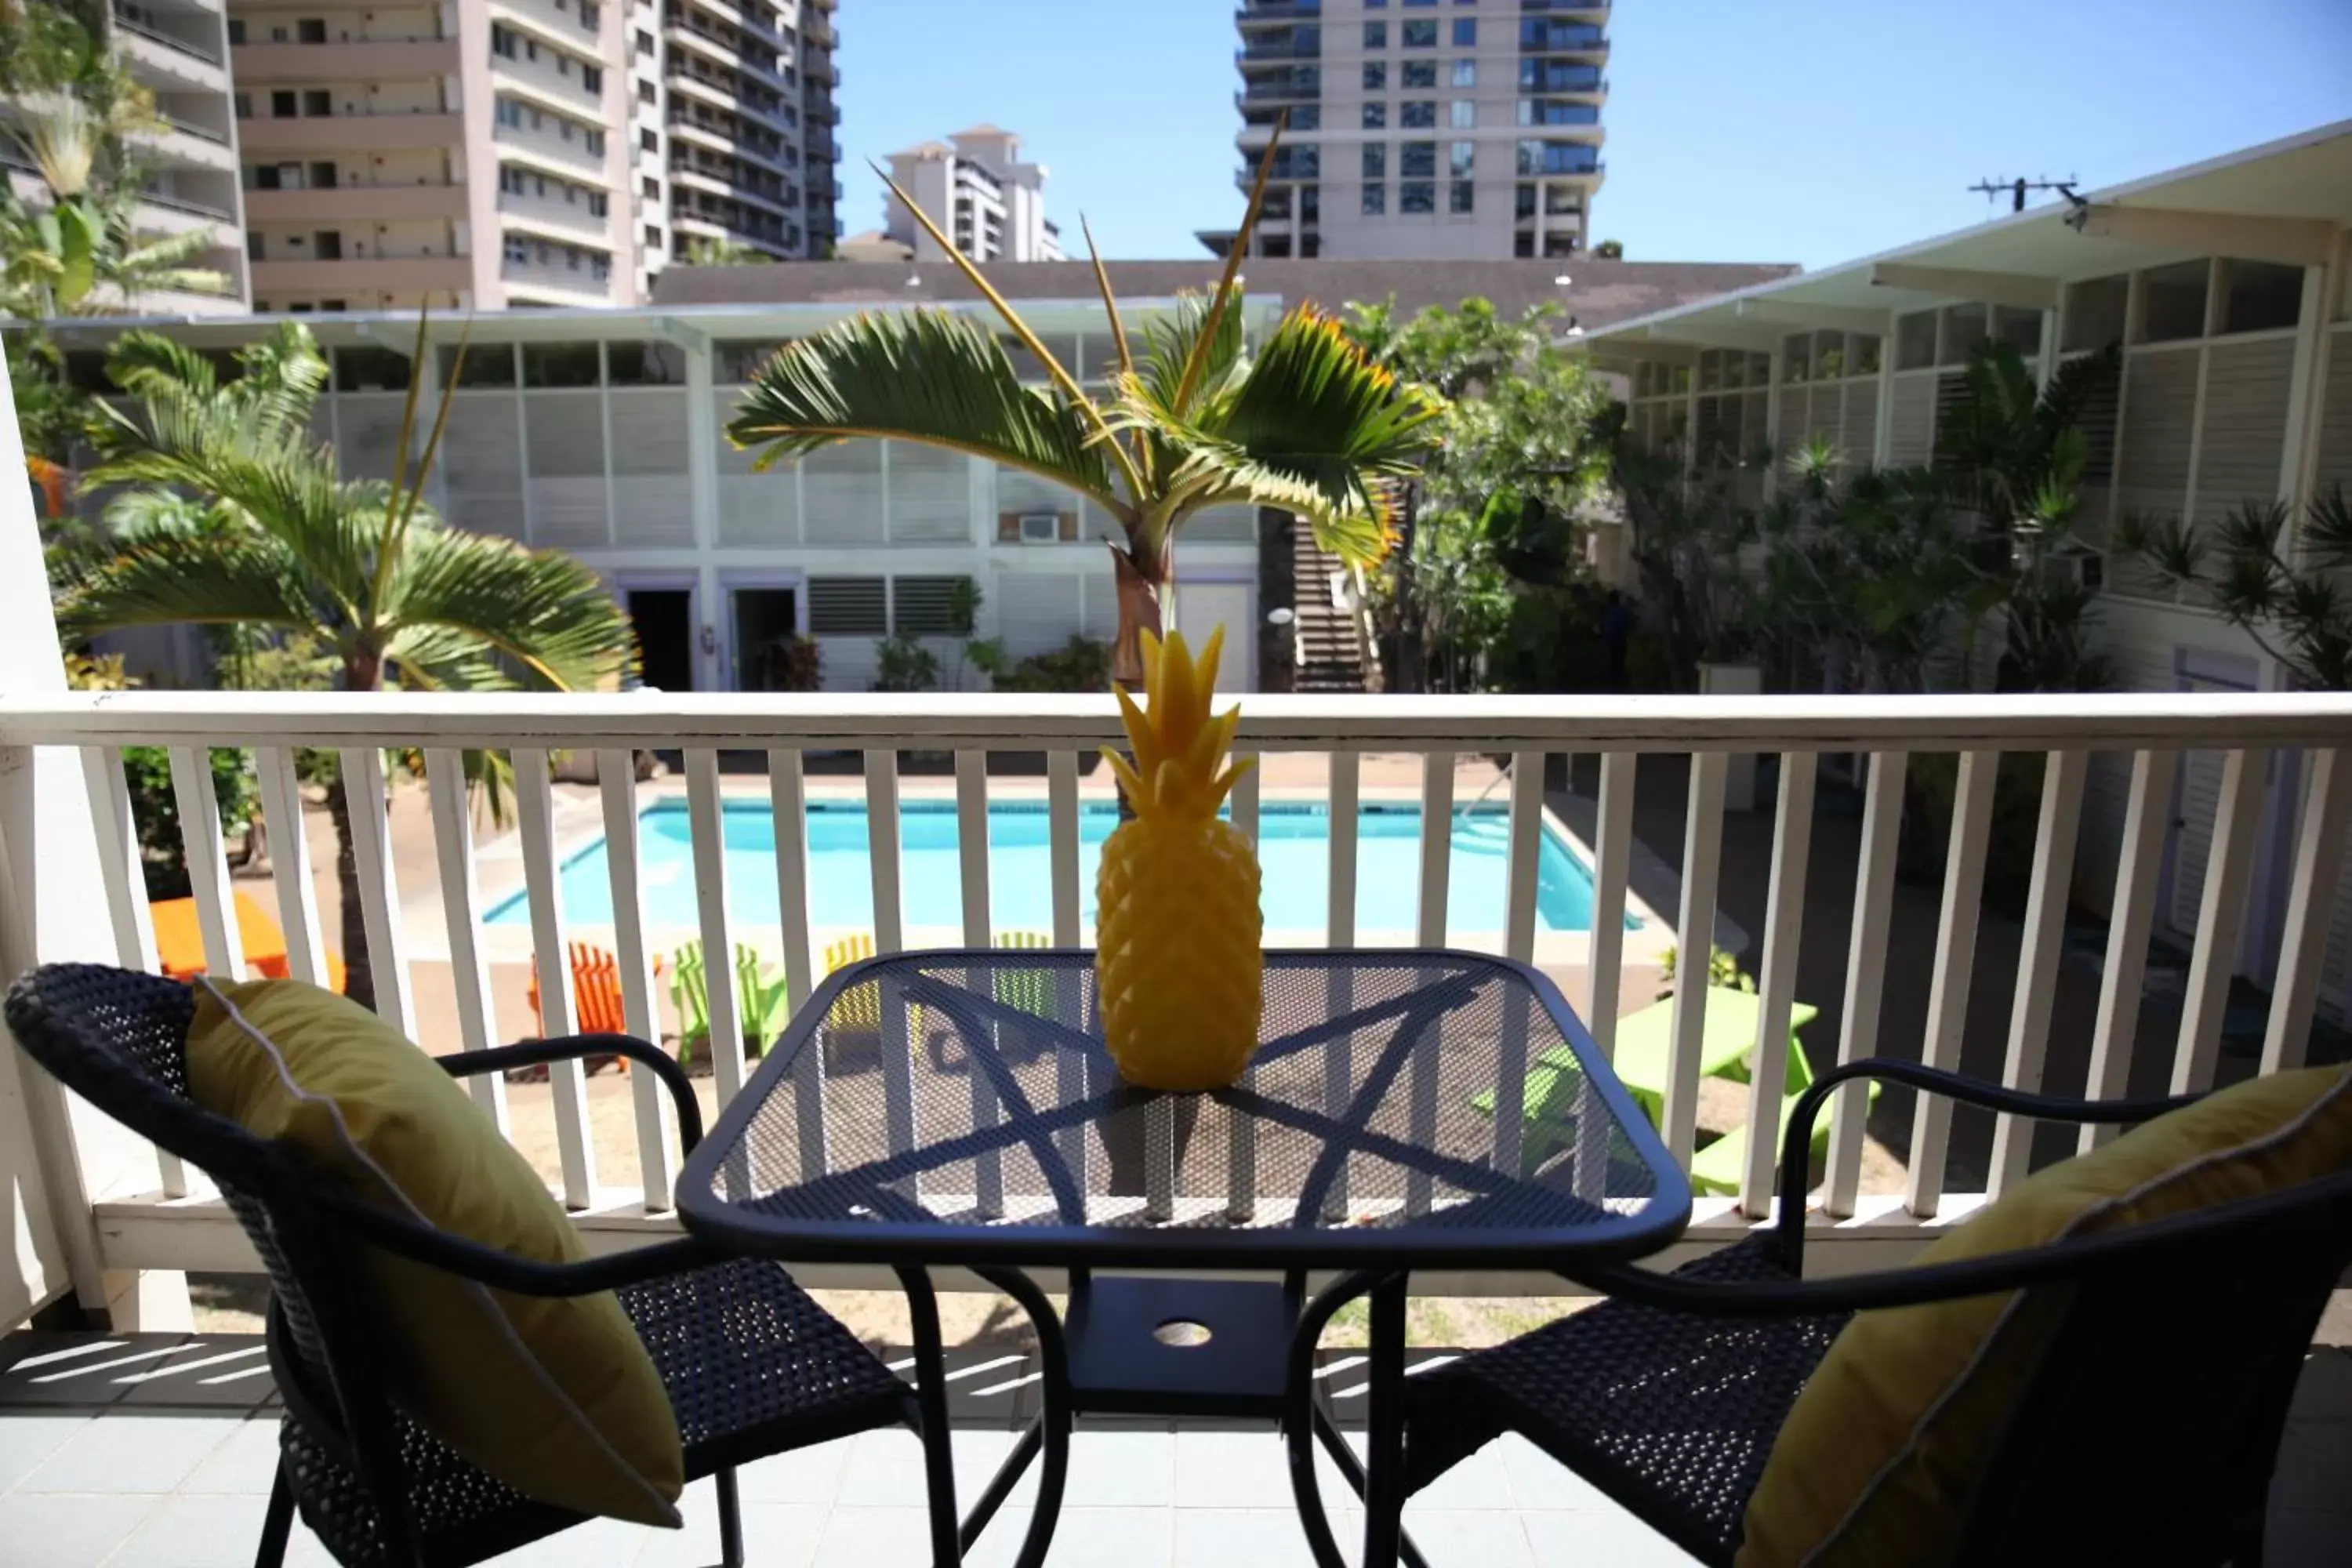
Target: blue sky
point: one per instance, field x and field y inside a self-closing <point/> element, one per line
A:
<point x="1806" y="130"/>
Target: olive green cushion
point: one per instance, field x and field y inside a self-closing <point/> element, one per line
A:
<point x="1886" y="1443"/>
<point x="554" y="1396"/>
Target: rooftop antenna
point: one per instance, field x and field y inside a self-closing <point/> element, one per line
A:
<point x="2015" y="189"/>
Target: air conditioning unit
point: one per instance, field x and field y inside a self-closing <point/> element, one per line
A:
<point x="1041" y="528"/>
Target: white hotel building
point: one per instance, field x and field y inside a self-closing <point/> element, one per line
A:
<point x="601" y="432"/>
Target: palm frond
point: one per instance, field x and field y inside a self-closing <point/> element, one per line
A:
<point x="63" y="138"/>
<point x="1309" y="428"/>
<point x="136" y="516"/>
<point x="1170" y="341"/>
<point x="542" y="610"/>
<point x="2170" y="548"/>
<point x="204" y="578"/>
<point x="1055" y="370"/>
<point x="2328" y="527"/>
<point x="148" y="365"/>
<point x="1220" y="302"/>
<point x="1110" y="304"/>
<point x="919" y="375"/>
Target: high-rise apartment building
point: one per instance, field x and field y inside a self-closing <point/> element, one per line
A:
<point x="463" y="152"/>
<point x="1428" y="129"/>
<point x="734" y="126"/>
<point x="990" y="202"/>
<point x="483" y="154"/>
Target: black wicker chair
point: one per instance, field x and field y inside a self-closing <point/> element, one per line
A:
<point x="752" y="1365"/>
<point x="2146" y="1434"/>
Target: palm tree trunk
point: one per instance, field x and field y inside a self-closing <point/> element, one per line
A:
<point x="359" y="982"/>
<point x="1140" y="582"/>
<point x="362" y="673"/>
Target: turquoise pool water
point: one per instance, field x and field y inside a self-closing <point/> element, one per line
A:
<point x="1295" y="842"/>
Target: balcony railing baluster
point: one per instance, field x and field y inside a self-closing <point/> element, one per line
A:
<point x="1061" y="839"/>
<point x="1784" y="925"/>
<point x="1865" y="969"/>
<point x="461" y="916"/>
<point x="1956" y="959"/>
<point x="2148" y="812"/>
<point x="559" y="1007"/>
<point x="706" y="819"/>
<point x="2311" y="904"/>
<point x="2220" y="918"/>
<point x="2055" y="834"/>
<point x="1695" y="944"/>
<point x="1613" y="851"/>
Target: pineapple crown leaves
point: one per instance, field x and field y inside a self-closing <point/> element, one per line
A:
<point x="1178" y="746"/>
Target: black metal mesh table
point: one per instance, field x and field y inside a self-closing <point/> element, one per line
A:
<point x="1405" y="1110"/>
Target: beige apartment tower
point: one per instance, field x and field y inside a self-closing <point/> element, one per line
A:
<point x="497" y="154"/>
<point x="1424" y="129"/>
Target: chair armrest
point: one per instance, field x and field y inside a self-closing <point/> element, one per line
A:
<point x="413" y="1239"/>
<point x="571" y="1048"/>
<point x="1797" y="1138"/>
<point x="2313" y="1216"/>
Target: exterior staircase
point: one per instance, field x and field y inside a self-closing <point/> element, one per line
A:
<point x="1330" y="656"/>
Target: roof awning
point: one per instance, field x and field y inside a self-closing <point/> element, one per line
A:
<point x="2288" y="201"/>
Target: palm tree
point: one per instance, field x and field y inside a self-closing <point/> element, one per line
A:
<point x="1192" y="421"/>
<point x="263" y="535"/>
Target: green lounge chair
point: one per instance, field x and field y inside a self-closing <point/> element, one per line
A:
<point x="759" y="993"/>
<point x="1644" y="1044"/>
<point x="1718" y="1167"/>
<point x="1030" y="991"/>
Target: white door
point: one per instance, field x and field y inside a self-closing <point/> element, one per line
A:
<point x="1201" y="607"/>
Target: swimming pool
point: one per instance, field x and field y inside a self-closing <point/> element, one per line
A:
<point x="1294" y="850"/>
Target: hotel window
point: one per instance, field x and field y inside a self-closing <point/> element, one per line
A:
<point x="2172" y="302"/>
<point x="1462" y="156"/>
<point x="1376" y="34"/>
<point x="1417" y="159"/>
<point x="2259" y="296"/>
<point x="1376" y="160"/>
<point x="1376" y="200"/>
<point x="1417" y="114"/>
<point x="1376" y="76"/>
<point x="1416" y="196"/>
<point x="1465" y="32"/>
<point x="1420" y="35"/>
<point x="1462" y="114"/>
<point x="1420" y="73"/>
<point x="1376" y="115"/>
<point x="1461" y="197"/>
<point x="1465" y="73"/>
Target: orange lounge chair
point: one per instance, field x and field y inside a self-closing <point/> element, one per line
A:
<point x="179" y="942"/>
<point x="596" y="991"/>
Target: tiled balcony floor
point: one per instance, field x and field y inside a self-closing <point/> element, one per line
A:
<point x="149" y="1488"/>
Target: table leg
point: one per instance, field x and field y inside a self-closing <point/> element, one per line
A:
<point x="1384" y="1430"/>
<point x="931" y="1403"/>
<point x="1049" y="1435"/>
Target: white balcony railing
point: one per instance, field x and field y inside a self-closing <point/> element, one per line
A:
<point x="2144" y="735"/>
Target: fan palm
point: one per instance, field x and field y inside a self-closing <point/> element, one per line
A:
<point x="264" y="535"/>
<point x="1309" y="425"/>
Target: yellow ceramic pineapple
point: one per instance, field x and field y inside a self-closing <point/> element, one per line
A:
<point x="1178" y="929"/>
